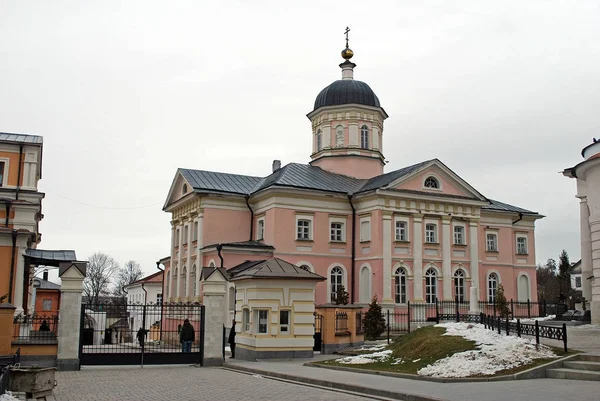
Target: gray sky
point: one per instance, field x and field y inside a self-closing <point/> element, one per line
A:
<point x="505" y="93"/>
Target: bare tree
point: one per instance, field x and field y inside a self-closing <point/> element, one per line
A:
<point x="98" y="275"/>
<point x="128" y="274"/>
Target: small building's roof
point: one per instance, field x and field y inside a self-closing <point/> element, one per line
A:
<point x="206" y="272"/>
<point x="42" y="284"/>
<point x="153" y="278"/>
<point x="202" y="180"/>
<point x="120" y="324"/>
<point x="21" y="138"/>
<point x="576" y="267"/>
<point x="50" y="258"/>
<point x="242" y="244"/>
<point x="273" y="268"/>
<point x="505" y="207"/>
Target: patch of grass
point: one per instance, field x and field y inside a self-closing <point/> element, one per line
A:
<point x="418" y="349"/>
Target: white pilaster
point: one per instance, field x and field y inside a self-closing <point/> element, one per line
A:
<point x="418" y="257"/>
<point x="586" y="250"/>
<point x="20" y="271"/>
<point x="188" y="287"/>
<point x="326" y="142"/>
<point x="387" y="258"/>
<point x="179" y="265"/>
<point x="375" y="134"/>
<point x="474" y="267"/>
<point x="446" y="259"/>
<point x="199" y="260"/>
<point x="353" y="134"/>
<point x="172" y="262"/>
<point x="595" y="296"/>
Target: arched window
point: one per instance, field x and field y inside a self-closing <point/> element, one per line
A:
<point x="184" y="190"/>
<point x="193" y="280"/>
<point x="431" y="182"/>
<point x="400" y="285"/>
<point x="305" y="267"/>
<point x="523" y="288"/>
<point x="339" y="136"/>
<point x="211" y="264"/>
<point x="430" y="286"/>
<point x="175" y="278"/>
<point x="492" y="287"/>
<point x="364" y="137"/>
<point x="168" y="284"/>
<point x="184" y="279"/>
<point x="319" y="140"/>
<point x="365" y="284"/>
<point x="337" y="279"/>
<point x="459" y="285"/>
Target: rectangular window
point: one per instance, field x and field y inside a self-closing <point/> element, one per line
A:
<point x="577" y="282"/>
<point x="177" y="237"/>
<point x="401" y="231"/>
<point x="365" y="230"/>
<point x="492" y="242"/>
<point x="195" y="233"/>
<point x="246" y="320"/>
<point x="430" y="233"/>
<point x="260" y="229"/>
<point x="47" y="304"/>
<point x="303" y="229"/>
<point x="337" y="232"/>
<point x="1" y="173"/>
<point x="319" y="143"/>
<point x="185" y="234"/>
<point x="459" y="235"/>
<point x="522" y="246"/>
<point x="284" y="321"/>
<point x="262" y="321"/>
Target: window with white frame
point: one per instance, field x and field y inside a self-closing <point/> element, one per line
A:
<point x="246" y="320"/>
<point x="319" y="141"/>
<point x="337" y="279"/>
<point x="262" y="321"/>
<point x="284" y="321"/>
<point x="401" y="230"/>
<point x="175" y="278"/>
<point x="459" y="285"/>
<point x="305" y="267"/>
<point x="492" y="242"/>
<point x="260" y="229"/>
<point x="195" y="233"/>
<point x="430" y="233"/>
<point x="185" y="234"/>
<point x="336" y="231"/>
<point x="431" y="182"/>
<point x="522" y="245"/>
<point x="578" y="282"/>
<point x="193" y="280"/>
<point x="400" y="285"/>
<point x="177" y="237"/>
<point x="459" y="235"/>
<point x="364" y="137"/>
<point x="47" y="304"/>
<point x="2" y="173"/>
<point x="303" y="232"/>
<point x="430" y="286"/>
<point x="365" y="229"/>
<point x="492" y="287"/>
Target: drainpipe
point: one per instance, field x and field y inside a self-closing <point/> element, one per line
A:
<point x="162" y="289"/>
<point x="145" y="296"/>
<point x="8" y="203"/>
<point x="12" y="266"/>
<point x="219" y="247"/>
<point x="251" y="218"/>
<point x="519" y="219"/>
<point x="353" y="248"/>
<point x="19" y="179"/>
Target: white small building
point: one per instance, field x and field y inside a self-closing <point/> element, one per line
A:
<point x="576" y="282"/>
<point x="146" y="291"/>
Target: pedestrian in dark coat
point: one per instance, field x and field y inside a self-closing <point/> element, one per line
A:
<point x="141" y="336"/>
<point x="186" y="336"/>
<point x="231" y="339"/>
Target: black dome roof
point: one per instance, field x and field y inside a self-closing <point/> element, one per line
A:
<point x="346" y="91"/>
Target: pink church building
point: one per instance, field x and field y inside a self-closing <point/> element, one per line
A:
<point x="419" y="233"/>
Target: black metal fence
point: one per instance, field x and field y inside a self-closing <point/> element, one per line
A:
<point x="318" y="329"/>
<point x="341" y="322"/>
<point x="535" y="330"/>
<point x="5" y="366"/>
<point x="359" y="323"/>
<point x="38" y="329"/>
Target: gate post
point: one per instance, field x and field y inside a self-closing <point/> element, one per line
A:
<point x="214" y="290"/>
<point x="70" y="313"/>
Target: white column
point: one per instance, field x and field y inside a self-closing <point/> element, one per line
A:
<point x="69" y="316"/>
<point x="326" y="141"/>
<point x="586" y="250"/>
<point x="418" y="257"/>
<point x="595" y="296"/>
<point x="20" y="271"/>
<point x="387" y="258"/>
<point x="171" y="263"/>
<point x="199" y="262"/>
<point x="179" y="266"/>
<point x="446" y="259"/>
<point x="188" y="287"/>
<point x="474" y="267"/>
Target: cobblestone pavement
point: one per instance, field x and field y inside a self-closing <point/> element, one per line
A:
<point x="181" y="383"/>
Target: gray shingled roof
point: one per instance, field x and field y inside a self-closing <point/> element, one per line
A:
<point x="59" y="256"/>
<point x="21" y="138"/>
<point x="274" y="268"/>
<point x="220" y="182"/>
<point x="45" y="284"/>
<point x="505" y="207"/>
<point x="388" y="178"/>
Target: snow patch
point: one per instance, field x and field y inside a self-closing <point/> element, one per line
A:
<point x="8" y="397"/>
<point x="539" y="319"/>
<point x="495" y="352"/>
<point x="371" y="347"/>
<point x="366" y="358"/>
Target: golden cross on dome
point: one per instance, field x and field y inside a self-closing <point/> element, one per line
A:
<point x="346" y="32"/>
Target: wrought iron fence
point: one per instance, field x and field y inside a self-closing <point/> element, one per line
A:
<point x="535" y="330"/>
<point x="359" y="323"/>
<point x="39" y="329"/>
<point x="341" y="322"/>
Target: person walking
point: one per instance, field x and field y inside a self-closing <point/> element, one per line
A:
<point x="231" y="339"/>
<point x="141" y="336"/>
<point x="186" y="336"/>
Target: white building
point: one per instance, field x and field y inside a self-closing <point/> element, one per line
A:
<point x="576" y="283"/>
<point x="146" y="291"/>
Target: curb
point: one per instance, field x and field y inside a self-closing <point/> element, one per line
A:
<point x="334" y="385"/>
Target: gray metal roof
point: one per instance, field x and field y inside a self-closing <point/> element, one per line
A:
<point x="388" y="178"/>
<point x="21" y="138"/>
<point x="45" y="284"/>
<point x="60" y="256"/>
<point x="220" y="182"/>
<point x="505" y="207"/>
<point x="346" y="91"/>
<point x="274" y="268"/>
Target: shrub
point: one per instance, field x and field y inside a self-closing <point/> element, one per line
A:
<point x="341" y="296"/>
<point x="373" y="322"/>
<point x="501" y="303"/>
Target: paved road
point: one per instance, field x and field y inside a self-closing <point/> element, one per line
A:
<point x="181" y="384"/>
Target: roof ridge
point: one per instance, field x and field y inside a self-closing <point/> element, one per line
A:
<point x="217" y="172"/>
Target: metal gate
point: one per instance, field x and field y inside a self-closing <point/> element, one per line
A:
<point x="118" y="333"/>
<point x="317" y="335"/>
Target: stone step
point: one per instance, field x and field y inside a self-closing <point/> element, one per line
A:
<point x="582" y="365"/>
<point x="572" y="374"/>
<point x="589" y="357"/>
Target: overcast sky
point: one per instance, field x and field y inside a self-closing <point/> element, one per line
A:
<point x="505" y="93"/>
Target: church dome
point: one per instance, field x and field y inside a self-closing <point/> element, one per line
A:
<point x="347" y="91"/>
